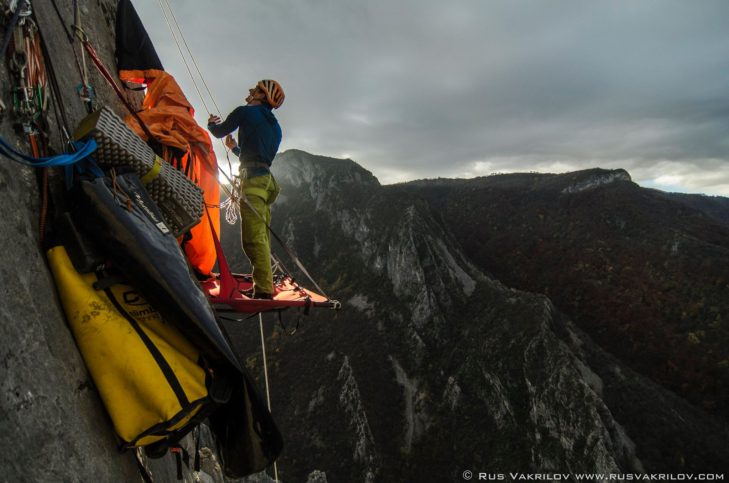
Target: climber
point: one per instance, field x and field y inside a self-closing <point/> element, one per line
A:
<point x="259" y="136"/>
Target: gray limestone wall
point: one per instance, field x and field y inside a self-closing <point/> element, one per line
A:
<point x="53" y="427"/>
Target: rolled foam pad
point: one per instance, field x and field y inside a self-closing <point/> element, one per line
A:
<point x="178" y="198"/>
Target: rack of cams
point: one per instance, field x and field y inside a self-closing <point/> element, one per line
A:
<point x="178" y="198"/>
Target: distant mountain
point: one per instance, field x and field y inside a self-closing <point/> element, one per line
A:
<point x="644" y="273"/>
<point x="716" y="207"/>
<point x="523" y="323"/>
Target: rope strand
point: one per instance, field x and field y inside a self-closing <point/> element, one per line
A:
<point x="189" y="72"/>
<point x="179" y="49"/>
<point x="235" y="193"/>
<point x="265" y="374"/>
<point x="192" y="57"/>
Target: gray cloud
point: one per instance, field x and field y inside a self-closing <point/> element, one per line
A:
<point x="419" y="88"/>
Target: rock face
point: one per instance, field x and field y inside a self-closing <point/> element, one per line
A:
<point x="434" y="366"/>
<point x="595" y="178"/>
<point x="53" y="426"/>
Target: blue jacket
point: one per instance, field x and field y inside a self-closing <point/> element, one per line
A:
<point x="259" y="134"/>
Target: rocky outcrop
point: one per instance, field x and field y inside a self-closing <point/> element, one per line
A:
<point x="594" y="179"/>
<point x="365" y="453"/>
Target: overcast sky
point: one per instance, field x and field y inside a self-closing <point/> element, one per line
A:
<point x="415" y="89"/>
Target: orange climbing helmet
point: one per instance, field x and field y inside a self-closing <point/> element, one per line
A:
<point x="274" y="93"/>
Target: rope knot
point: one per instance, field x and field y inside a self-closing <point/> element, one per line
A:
<point x="80" y="33"/>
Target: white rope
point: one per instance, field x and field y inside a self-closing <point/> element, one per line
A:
<point x="192" y="57"/>
<point x="162" y="4"/>
<point x="77" y="24"/>
<point x="232" y="210"/>
<point x="234" y="193"/>
<point x="179" y="49"/>
<point x="265" y="374"/>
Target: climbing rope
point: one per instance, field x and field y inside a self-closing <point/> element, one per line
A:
<point x="81" y="35"/>
<point x="44" y="162"/>
<point x="192" y="57"/>
<point x="59" y="108"/>
<point x="84" y="90"/>
<point x="231" y="204"/>
<point x="233" y="192"/>
<point x="265" y="374"/>
<point x="162" y="5"/>
<point x="112" y="82"/>
<point x="179" y="49"/>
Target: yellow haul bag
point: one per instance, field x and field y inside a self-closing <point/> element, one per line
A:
<point x="147" y="374"/>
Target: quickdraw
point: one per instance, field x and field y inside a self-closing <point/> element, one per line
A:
<point x="84" y="90"/>
<point x="25" y="61"/>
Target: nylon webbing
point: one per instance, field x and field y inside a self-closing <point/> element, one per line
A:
<point x="260" y="192"/>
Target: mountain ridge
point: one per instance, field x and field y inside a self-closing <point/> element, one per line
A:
<point x="446" y="362"/>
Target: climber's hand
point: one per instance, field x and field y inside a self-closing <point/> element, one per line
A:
<point x="230" y="142"/>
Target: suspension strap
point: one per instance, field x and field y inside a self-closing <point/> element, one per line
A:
<point x="143" y="470"/>
<point x="110" y="80"/>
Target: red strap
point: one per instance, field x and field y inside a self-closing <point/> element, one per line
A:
<point x="110" y="79"/>
<point x="228" y="283"/>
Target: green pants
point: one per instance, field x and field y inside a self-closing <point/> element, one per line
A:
<point x="261" y="192"/>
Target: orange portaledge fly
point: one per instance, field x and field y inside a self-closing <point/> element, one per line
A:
<point x="226" y="292"/>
